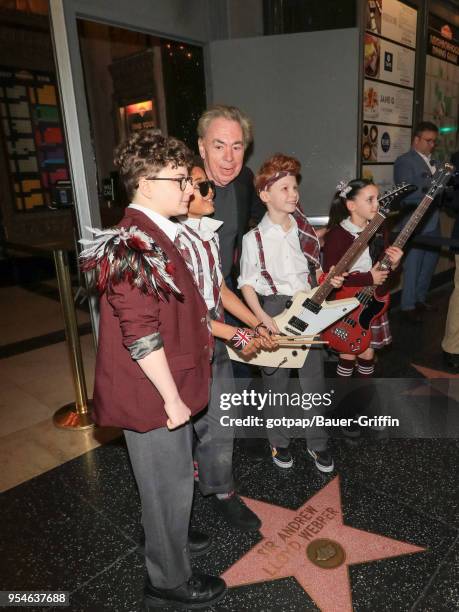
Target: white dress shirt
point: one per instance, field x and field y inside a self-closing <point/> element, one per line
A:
<point x="427" y="159"/>
<point x="169" y="227"/>
<point x="206" y="229"/>
<point x="362" y="263"/>
<point x="284" y="259"/>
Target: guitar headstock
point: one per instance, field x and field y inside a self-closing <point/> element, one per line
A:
<point x="397" y="193"/>
<point x="440" y="178"/>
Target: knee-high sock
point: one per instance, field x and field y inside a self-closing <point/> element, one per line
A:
<point x="365" y="367"/>
<point x="367" y="396"/>
<point x="345" y="367"/>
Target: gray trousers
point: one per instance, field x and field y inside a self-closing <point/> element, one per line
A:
<point x="162" y="462"/>
<point x="278" y="382"/>
<point x="214" y="448"/>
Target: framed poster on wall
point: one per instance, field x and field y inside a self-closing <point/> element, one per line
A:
<point x="385" y="103"/>
<point x="388" y="89"/>
<point x="387" y="61"/>
<point x="441" y="94"/>
<point x="384" y="143"/>
<point x="393" y="20"/>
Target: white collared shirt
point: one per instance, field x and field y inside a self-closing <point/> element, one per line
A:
<point x="169" y="227"/>
<point x="427" y="160"/>
<point x="284" y="259"/>
<point x="362" y="263"/>
<point x="206" y="229"/>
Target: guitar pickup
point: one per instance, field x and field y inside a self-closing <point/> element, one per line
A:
<point x="312" y="306"/>
<point x="297" y="323"/>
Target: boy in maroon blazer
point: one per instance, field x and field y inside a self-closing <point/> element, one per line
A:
<point x="153" y="369"/>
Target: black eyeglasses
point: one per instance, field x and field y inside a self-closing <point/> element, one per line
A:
<point x="205" y="188"/>
<point x="182" y="181"/>
<point x="431" y="141"/>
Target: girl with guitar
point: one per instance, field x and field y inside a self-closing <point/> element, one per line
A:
<point x="354" y="205"/>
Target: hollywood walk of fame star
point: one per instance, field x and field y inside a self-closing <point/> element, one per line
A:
<point x="442" y="384"/>
<point x="287" y="534"/>
<point x="429" y="373"/>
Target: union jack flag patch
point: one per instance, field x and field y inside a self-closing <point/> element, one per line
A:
<point x="242" y="338"/>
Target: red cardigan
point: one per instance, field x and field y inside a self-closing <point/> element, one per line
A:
<point x="123" y="395"/>
<point x="336" y="242"/>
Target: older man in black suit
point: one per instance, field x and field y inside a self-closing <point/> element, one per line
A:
<point x="224" y="133"/>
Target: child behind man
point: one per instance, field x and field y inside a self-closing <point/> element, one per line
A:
<point x="214" y="448"/>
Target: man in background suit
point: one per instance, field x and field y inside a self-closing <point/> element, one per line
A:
<point x="224" y="133"/>
<point x="417" y="167"/>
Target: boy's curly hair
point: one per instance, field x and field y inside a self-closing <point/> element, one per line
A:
<point x="145" y="153"/>
<point x="277" y="163"/>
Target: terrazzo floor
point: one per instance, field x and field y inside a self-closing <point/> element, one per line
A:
<point x="76" y="527"/>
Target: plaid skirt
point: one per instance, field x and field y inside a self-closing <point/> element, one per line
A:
<point x="380" y="332"/>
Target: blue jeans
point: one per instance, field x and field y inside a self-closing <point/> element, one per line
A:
<point x="418" y="269"/>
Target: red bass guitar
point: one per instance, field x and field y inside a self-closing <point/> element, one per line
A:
<point x="352" y="334"/>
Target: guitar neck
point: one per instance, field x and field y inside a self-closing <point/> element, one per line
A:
<point x="413" y="222"/>
<point x="409" y="228"/>
<point x="349" y="257"/>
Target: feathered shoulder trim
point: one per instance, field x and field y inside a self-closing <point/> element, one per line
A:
<point x="128" y="254"/>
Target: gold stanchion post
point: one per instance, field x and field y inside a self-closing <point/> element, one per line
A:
<point x="76" y="415"/>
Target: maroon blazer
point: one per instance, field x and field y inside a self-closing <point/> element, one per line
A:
<point x="336" y="242"/>
<point x="123" y="395"/>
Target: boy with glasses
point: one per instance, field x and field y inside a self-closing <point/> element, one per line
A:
<point x="153" y="359"/>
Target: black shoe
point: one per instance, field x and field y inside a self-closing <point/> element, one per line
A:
<point x="282" y="457"/>
<point x="200" y="591"/>
<point x="199" y="543"/>
<point x="412" y="316"/>
<point x="352" y="430"/>
<point x="451" y="360"/>
<point x="255" y="449"/>
<point x="323" y="460"/>
<point x="425" y="307"/>
<point x="236" y="513"/>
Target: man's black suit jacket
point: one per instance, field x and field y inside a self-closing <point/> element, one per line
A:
<point x="250" y="208"/>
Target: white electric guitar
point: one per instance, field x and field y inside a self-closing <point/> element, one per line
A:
<point x="308" y="313"/>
